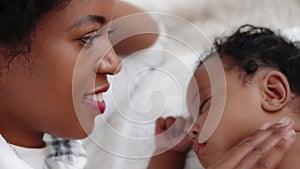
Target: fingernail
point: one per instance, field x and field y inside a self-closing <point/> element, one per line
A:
<point x="284" y="121"/>
<point x="289" y="134"/>
<point x="265" y="126"/>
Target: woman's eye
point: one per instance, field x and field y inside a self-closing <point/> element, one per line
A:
<point x="85" y="40"/>
<point x="88" y="38"/>
<point x="110" y="31"/>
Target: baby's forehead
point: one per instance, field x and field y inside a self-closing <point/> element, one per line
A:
<point x="199" y="80"/>
<point x="208" y="66"/>
<point x="203" y="61"/>
<point x="202" y="69"/>
<point x="213" y="69"/>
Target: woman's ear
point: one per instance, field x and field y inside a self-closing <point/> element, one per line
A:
<point x="276" y="91"/>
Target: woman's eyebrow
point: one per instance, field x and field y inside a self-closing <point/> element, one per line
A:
<point x="89" y="18"/>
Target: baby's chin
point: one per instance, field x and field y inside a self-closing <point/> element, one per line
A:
<point x="209" y="158"/>
<point x="207" y="161"/>
<point x="203" y="163"/>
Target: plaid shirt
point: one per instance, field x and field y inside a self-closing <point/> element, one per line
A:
<point x="64" y="154"/>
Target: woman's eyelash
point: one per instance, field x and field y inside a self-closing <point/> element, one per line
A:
<point x="110" y="31"/>
<point x="88" y="39"/>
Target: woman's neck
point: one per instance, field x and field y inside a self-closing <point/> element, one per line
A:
<point x="292" y="157"/>
<point x="24" y="139"/>
<point x="20" y="135"/>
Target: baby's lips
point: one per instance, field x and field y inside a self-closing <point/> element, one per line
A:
<point x="198" y="148"/>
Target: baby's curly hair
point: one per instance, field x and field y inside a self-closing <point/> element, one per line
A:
<point x="18" y="19"/>
<point x="251" y="47"/>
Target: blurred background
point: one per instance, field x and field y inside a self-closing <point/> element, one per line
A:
<point x="216" y="16"/>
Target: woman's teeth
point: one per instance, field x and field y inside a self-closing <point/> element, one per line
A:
<point x="95" y="97"/>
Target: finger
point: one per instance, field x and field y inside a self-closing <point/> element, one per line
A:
<point x="276" y="154"/>
<point x="253" y="158"/>
<point x="235" y="155"/>
<point x="179" y="125"/>
<point x="170" y="121"/>
<point x="160" y="126"/>
<point x="169" y="126"/>
<point x="274" y="157"/>
<point x="188" y="124"/>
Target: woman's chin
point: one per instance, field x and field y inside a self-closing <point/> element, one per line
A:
<point x="79" y="135"/>
<point x="86" y="132"/>
<point x="81" y="132"/>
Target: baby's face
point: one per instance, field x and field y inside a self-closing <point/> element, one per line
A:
<point x="242" y="113"/>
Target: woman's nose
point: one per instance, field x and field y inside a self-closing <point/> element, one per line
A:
<point x="109" y="64"/>
<point x="194" y="132"/>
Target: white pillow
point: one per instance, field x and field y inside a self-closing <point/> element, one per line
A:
<point x="292" y="34"/>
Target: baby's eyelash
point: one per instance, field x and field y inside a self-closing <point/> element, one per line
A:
<point x="202" y="105"/>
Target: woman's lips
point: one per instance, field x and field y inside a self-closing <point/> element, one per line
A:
<point x="99" y="106"/>
<point x="199" y="148"/>
<point x="95" y="99"/>
<point x="102" y="90"/>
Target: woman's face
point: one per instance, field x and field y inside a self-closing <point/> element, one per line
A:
<point x="54" y="90"/>
<point x="242" y="113"/>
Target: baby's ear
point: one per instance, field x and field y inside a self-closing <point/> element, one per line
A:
<point x="275" y="91"/>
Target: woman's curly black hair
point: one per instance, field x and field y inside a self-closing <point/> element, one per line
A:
<point x="18" y="20"/>
<point x="251" y="47"/>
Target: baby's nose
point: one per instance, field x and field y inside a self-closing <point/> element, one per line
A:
<point x="194" y="132"/>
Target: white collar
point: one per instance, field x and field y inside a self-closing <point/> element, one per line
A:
<point x="8" y="158"/>
<point x="35" y="157"/>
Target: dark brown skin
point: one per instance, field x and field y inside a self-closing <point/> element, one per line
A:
<point x="266" y="148"/>
<point x="271" y="146"/>
<point x="36" y="96"/>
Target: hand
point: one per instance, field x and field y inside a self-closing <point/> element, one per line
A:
<point x="172" y="134"/>
<point x="264" y="149"/>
